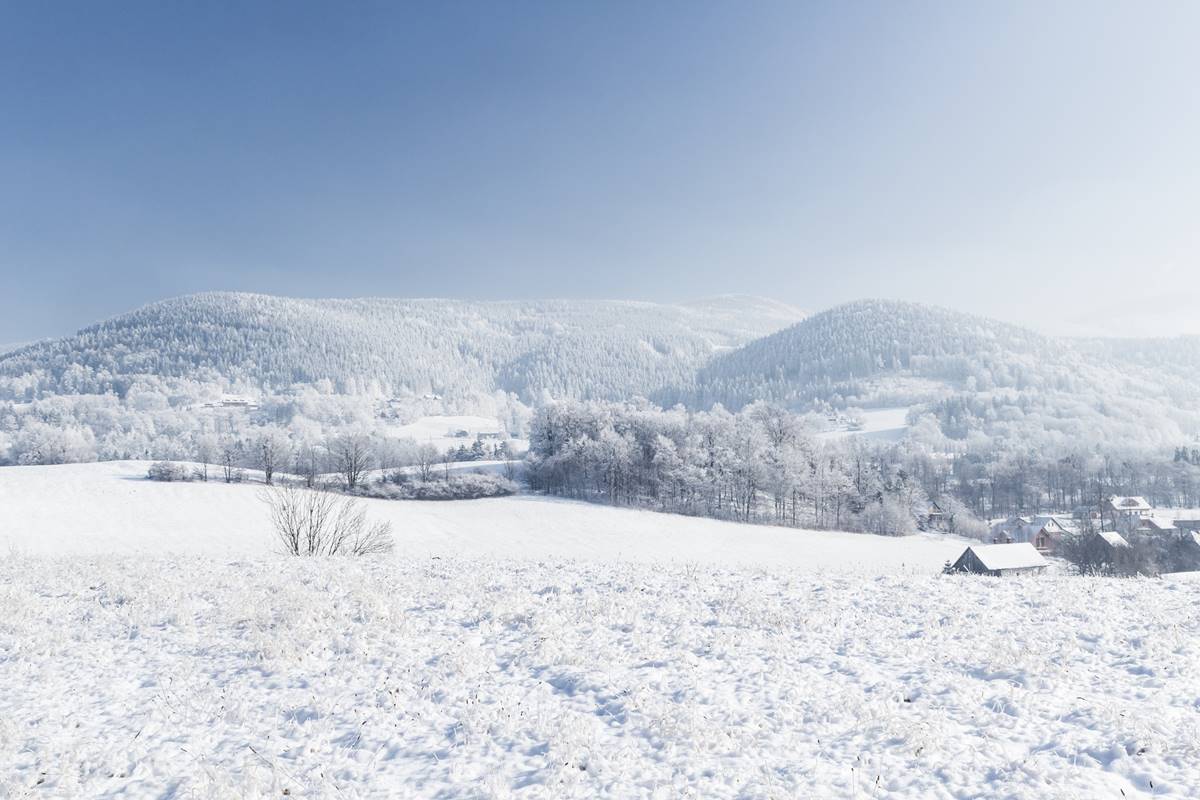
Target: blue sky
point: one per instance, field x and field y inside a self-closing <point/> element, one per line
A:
<point x="1034" y="162"/>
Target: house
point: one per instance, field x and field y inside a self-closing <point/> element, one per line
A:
<point x="233" y="401"/>
<point x="1009" y="530"/>
<point x="1000" y="560"/>
<point x="1135" y="506"/>
<point x="1105" y="553"/>
<point x="935" y="518"/>
<point x="1156" y="525"/>
<point x="1045" y="533"/>
<point x="1110" y="540"/>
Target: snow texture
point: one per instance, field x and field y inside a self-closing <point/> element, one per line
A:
<point x="201" y="677"/>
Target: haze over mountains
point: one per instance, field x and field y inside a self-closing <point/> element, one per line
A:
<point x="970" y="377"/>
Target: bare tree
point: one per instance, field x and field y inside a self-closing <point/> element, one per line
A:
<point x="207" y="451"/>
<point x="351" y="456"/>
<point x="427" y="457"/>
<point x="272" y="450"/>
<point x="309" y="461"/>
<point x="319" y="523"/>
<point x="231" y="453"/>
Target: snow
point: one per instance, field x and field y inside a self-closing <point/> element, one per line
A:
<point x="439" y="430"/>
<point x="1019" y="555"/>
<point x="111" y="508"/>
<point x="879" y="424"/>
<point x="201" y="677"/>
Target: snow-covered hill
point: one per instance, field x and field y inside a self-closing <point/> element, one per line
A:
<point x="415" y="678"/>
<point x="111" y="507"/>
<point x="974" y="376"/>
<point x="578" y="348"/>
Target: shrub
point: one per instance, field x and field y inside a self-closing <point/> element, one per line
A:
<point x="467" y="486"/>
<point x="169" y="471"/>
<point x="310" y="522"/>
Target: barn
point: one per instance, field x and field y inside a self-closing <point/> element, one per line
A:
<point x="1000" y="559"/>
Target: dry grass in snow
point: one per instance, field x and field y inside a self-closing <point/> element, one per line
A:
<point x="197" y="677"/>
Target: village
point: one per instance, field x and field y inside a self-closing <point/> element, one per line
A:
<point x="1126" y="536"/>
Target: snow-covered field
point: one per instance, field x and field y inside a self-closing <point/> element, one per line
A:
<point x="880" y="424"/>
<point x="112" y="508"/>
<point x="151" y="645"/>
<point x="440" y="431"/>
<point x="202" y="677"/>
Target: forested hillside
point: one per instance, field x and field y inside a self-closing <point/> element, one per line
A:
<point x="145" y="384"/>
<point x="587" y="349"/>
<point x="979" y="379"/>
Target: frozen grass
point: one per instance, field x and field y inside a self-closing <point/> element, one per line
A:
<point x="199" y="677"/>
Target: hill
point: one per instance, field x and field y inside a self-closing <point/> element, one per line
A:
<point x="585" y="349"/>
<point x="111" y="507"/>
<point x="975" y="376"/>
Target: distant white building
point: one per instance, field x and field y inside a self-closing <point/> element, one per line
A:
<point x="1128" y="506"/>
<point x="234" y="401"/>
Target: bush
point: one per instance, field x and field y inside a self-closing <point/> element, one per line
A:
<point x="170" y="472"/>
<point x="310" y="522"/>
<point x="467" y="486"/>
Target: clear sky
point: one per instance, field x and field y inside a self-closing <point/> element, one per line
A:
<point x="1035" y="162"/>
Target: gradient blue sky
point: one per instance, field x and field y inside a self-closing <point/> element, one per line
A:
<point x="1035" y="162"/>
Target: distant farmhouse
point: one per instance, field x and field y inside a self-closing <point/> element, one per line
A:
<point x="1126" y="514"/>
<point x="233" y="401"/>
<point x="1045" y="533"/>
<point x="1000" y="560"/>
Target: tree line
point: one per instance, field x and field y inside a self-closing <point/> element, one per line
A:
<point x="766" y="464"/>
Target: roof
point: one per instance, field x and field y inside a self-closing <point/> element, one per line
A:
<point x="1129" y="503"/>
<point x="1113" y="538"/>
<point x="1021" y="555"/>
<point x="1047" y="521"/>
<point x="1160" y="523"/>
<point x="1196" y="538"/>
<point x="1010" y="523"/>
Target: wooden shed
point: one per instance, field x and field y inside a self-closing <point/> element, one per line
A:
<point x="1000" y="559"/>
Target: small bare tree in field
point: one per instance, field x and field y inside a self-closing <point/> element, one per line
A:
<point x="351" y="454"/>
<point x="427" y="457"/>
<point x="317" y="523"/>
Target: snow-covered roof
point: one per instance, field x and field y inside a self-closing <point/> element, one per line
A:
<point x="1113" y="538"/>
<point x="1160" y="523"/>
<point x="1129" y="503"/>
<point x="1021" y="555"/>
<point x="1196" y="538"/>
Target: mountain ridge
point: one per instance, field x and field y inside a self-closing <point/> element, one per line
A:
<point x="402" y="344"/>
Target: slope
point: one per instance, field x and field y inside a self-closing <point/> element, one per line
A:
<point x="589" y="349"/>
<point x="111" y="508"/>
<point x="975" y="376"/>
